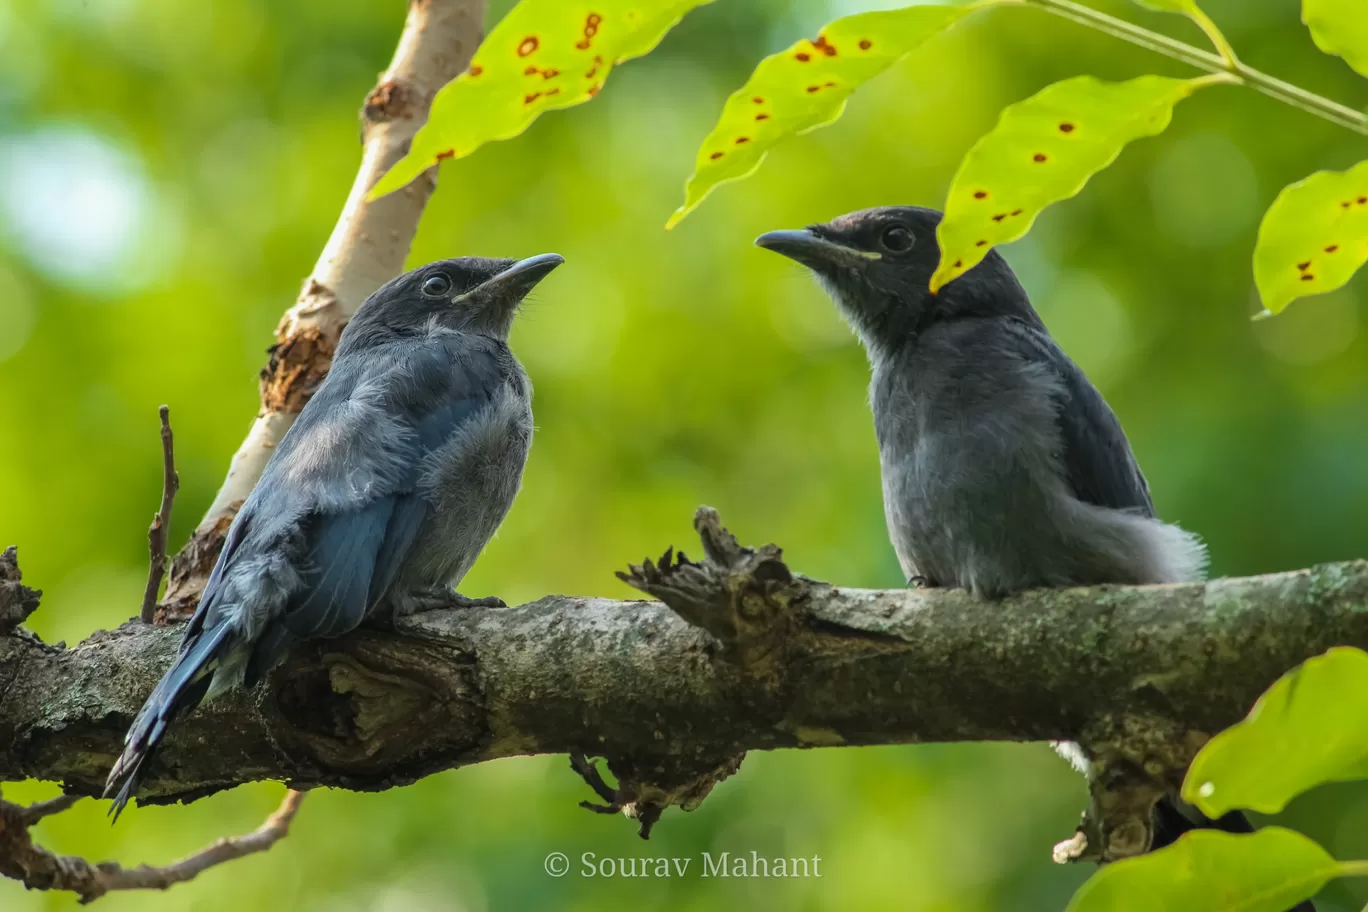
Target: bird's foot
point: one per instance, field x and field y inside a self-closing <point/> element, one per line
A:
<point x="440" y="597"/>
<point x="920" y="582"/>
<point x="464" y="601"/>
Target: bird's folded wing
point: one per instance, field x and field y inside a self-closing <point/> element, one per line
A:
<point x="356" y="545"/>
<point x="1098" y="462"/>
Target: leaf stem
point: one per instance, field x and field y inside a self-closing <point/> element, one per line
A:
<point x="1226" y="63"/>
<point x="1217" y="39"/>
<point x="1352" y="869"/>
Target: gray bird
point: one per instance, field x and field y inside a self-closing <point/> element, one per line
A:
<point x="378" y="500"/>
<point x="1003" y="467"/>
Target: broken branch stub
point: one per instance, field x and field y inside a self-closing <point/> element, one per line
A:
<point x="746" y="598"/>
<point x="752" y="605"/>
<point x="646" y="787"/>
<point x="17" y="601"/>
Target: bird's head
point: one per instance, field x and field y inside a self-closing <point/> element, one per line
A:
<point x="472" y="294"/>
<point x="877" y="264"/>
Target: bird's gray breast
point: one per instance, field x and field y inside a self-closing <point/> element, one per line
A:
<point x="969" y="458"/>
<point x="470" y="483"/>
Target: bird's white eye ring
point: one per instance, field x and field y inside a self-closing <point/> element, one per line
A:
<point x="435" y="286"/>
<point x="897" y="239"/>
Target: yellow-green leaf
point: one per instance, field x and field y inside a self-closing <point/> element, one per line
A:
<point x="543" y="55"/>
<point x="1205" y="870"/>
<point x="1310" y="727"/>
<point x="1043" y="150"/>
<point x="803" y="88"/>
<point x="1339" y="27"/>
<point x="1314" y="237"/>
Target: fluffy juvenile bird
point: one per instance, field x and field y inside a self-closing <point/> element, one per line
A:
<point x="380" y="497"/>
<point x="1003" y="467"/>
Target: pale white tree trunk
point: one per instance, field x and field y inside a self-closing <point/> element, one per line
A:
<point x="367" y="248"/>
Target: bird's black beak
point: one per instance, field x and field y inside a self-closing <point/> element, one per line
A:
<point x="813" y="250"/>
<point x="520" y="278"/>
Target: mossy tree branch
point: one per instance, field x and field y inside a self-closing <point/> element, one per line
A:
<point x="743" y="655"/>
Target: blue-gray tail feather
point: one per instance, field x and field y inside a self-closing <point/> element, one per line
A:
<point x="179" y="691"/>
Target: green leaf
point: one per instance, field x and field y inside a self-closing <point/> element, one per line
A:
<point x="1043" y="150"/>
<point x="803" y="88"/>
<point x="1339" y="27"/>
<point x="1314" y="237"/>
<point x="1267" y="871"/>
<point x="1310" y="727"/>
<point x="543" y="55"/>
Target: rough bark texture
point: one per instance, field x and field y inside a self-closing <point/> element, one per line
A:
<point x="1140" y="676"/>
<point x="367" y="248"/>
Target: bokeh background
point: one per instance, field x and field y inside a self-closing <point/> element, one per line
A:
<point x="170" y="170"/>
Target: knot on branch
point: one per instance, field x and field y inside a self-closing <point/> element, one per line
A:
<point x="746" y="598"/>
<point x="647" y="786"/>
<point x="17" y="601"/>
<point x="298" y="363"/>
<point x="393" y="99"/>
<point x="1135" y="762"/>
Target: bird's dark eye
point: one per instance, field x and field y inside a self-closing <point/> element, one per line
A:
<point x="897" y="238"/>
<point x="434" y="286"/>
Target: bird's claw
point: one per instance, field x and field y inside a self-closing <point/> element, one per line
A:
<point x="464" y="601"/>
<point x="440" y="597"/>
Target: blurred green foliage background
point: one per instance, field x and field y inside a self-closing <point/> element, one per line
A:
<point x="169" y="172"/>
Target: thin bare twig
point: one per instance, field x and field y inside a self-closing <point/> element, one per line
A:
<point x="36" y="812"/>
<point x="39" y="869"/>
<point x="156" y="533"/>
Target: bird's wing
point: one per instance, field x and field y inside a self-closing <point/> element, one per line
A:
<point x="1098" y="462"/>
<point x="357" y="541"/>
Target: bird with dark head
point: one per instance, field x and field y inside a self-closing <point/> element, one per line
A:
<point x="1003" y="467"/>
<point x="378" y="499"/>
<point x="877" y="265"/>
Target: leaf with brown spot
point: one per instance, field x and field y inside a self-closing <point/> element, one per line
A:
<point x="1026" y="162"/>
<point x="1313" y="238"/>
<point x="806" y="87"/>
<point x="569" y="46"/>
